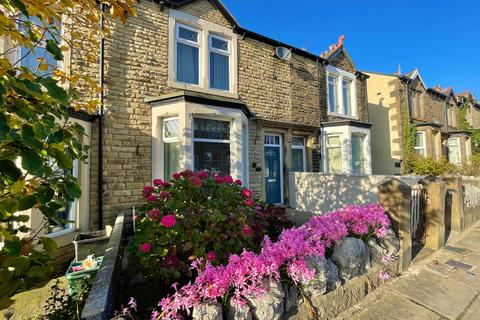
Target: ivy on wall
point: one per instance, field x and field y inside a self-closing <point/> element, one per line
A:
<point x="462" y="117"/>
<point x="409" y="134"/>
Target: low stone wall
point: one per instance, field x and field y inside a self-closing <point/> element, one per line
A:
<point x="330" y="305"/>
<point x="353" y="270"/>
<point x="471" y="201"/>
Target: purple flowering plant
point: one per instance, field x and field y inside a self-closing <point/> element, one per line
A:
<point x="247" y="274"/>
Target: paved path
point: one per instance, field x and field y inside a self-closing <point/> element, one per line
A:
<point x="437" y="287"/>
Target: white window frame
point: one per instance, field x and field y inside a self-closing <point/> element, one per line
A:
<point x="207" y="30"/>
<point x="211" y="140"/>
<point x="304" y="152"/>
<point x="227" y="53"/>
<point x="424" y="146"/>
<point x="327" y="146"/>
<point x="280" y="148"/>
<point x="364" y="139"/>
<point x="459" y="148"/>
<point x="341" y="75"/>
<point x="197" y="44"/>
<point x="167" y="140"/>
<point x="16" y="55"/>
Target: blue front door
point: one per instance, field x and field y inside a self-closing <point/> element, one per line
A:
<point x="273" y="180"/>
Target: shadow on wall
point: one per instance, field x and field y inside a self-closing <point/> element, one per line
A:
<point x="383" y="160"/>
<point x="319" y="193"/>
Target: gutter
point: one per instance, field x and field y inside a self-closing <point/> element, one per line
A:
<point x="100" y="122"/>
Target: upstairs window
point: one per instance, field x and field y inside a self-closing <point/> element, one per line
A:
<point x="32" y="59"/>
<point x="187" y="44"/>
<point x="341" y="92"/>
<point x="346" y="86"/>
<point x="219" y="59"/>
<point x="332" y="94"/>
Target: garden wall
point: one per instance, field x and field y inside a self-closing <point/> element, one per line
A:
<point x="471" y="200"/>
<point x="320" y="193"/>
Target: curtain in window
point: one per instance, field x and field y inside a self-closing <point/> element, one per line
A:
<point x="346" y="97"/>
<point x="297" y="160"/>
<point x="219" y="73"/>
<point x="453" y="151"/>
<point x="334" y="160"/>
<point x="213" y="157"/>
<point x="332" y="93"/>
<point x="171" y="152"/>
<point x="187" y="64"/>
<point x="357" y="154"/>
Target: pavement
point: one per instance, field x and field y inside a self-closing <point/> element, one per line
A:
<point x="439" y="285"/>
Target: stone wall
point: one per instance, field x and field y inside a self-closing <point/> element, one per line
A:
<point x="435" y="109"/>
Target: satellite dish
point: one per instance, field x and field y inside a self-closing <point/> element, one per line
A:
<point x="283" y="53"/>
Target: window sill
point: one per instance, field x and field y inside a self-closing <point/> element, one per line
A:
<point x="61" y="233"/>
<point x="197" y="88"/>
<point x="342" y="115"/>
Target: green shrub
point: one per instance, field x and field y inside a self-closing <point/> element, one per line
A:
<point x="194" y="215"/>
<point x="430" y="167"/>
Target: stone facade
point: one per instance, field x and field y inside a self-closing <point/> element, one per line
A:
<point x="286" y="97"/>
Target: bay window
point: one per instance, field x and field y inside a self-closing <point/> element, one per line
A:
<point x="358" y="154"/>
<point x="334" y="154"/>
<point x="420" y="146"/>
<point x="211" y="145"/>
<point x="298" y="154"/>
<point x="219" y="51"/>
<point x="187" y="46"/>
<point x="341" y="92"/>
<point x="171" y="146"/>
<point x="454" y="150"/>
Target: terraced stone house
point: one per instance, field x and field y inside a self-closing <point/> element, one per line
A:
<point x="186" y="87"/>
<point x="394" y="99"/>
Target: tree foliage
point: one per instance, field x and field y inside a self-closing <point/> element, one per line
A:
<point x="38" y="143"/>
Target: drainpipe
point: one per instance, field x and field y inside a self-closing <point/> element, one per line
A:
<point x="100" y="123"/>
<point x="320" y="160"/>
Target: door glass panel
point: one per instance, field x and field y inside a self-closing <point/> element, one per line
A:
<point x="272" y="174"/>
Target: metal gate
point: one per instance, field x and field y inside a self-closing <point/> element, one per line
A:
<point x="418" y="216"/>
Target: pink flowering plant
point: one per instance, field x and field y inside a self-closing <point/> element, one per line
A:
<point x="195" y="215"/>
<point x="247" y="274"/>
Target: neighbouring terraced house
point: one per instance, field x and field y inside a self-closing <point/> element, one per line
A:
<point x="186" y="87"/>
<point x="394" y="99"/>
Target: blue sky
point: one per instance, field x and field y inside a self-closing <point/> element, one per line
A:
<point x="441" y="38"/>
